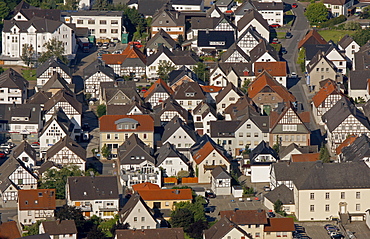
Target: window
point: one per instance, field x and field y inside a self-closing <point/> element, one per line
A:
<point x="312" y="208"/>
<point x="103" y="22"/>
<point x="358" y="207"/>
<point x="108" y="136"/>
<point x="114" y="22"/>
<point x="223" y="106"/>
<point x="256" y="135"/>
<point x="285" y="234"/>
<point x="312" y="196"/>
<point x="91" y="22"/>
<point x="80" y="21"/>
<point x="103" y="30"/>
<point x="358" y="195"/>
<point x="143" y="219"/>
<point x="342" y="195"/>
<point x="248" y="126"/>
<point x="115" y="31"/>
<point x="257" y="234"/>
<point x="115" y="136"/>
<point x="257" y="226"/>
<point x="135" y="219"/>
<point x="327" y="195"/>
<point x="278" y="234"/>
<point x="290" y="127"/>
<point x="327" y="208"/>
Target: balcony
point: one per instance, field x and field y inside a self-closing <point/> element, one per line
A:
<point x="85" y="208"/>
<point x="108" y="209"/>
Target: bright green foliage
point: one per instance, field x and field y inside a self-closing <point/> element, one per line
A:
<point x="4" y="10"/>
<point x="33" y="229"/>
<point x="101" y="110"/>
<point x="301" y="59"/>
<point x="245" y="86"/>
<point x="58" y="178"/>
<point x="100" y="5"/>
<point x="105" y="151"/>
<point x="164" y="68"/>
<point x="108" y="226"/>
<point x="316" y="13"/>
<point x="362" y="36"/>
<point x="54" y="48"/>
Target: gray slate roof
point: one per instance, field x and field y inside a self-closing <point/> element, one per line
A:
<point x="60" y="227"/>
<point x="285" y="150"/>
<point x="130" y="205"/>
<point x="249" y="16"/>
<point x="98" y="66"/>
<point x="24" y="146"/>
<point x="164" y="36"/>
<point x="62" y="119"/>
<point x="168" y="150"/>
<point x="345" y="41"/>
<point x="63" y="96"/>
<point x="282" y="193"/>
<point x="220" y="173"/>
<point x="182" y="92"/>
<point x="263" y="148"/>
<point x="358" y="79"/>
<point x="13" y="80"/>
<point x="57" y="82"/>
<point x="53" y="62"/>
<point x="176" y="123"/>
<point x="93" y="188"/>
<point x="70" y="144"/>
<point x="177" y="57"/>
<point x="134" y="151"/>
<point x="221" y="228"/>
<point x="358" y="150"/>
<point x="224" y="128"/>
<point x="260" y="49"/>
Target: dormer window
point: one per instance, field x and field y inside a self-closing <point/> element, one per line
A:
<point x="126" y="124"/>
<point x="189" y="94"/>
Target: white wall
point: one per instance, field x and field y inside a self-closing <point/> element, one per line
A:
<point x="260" y="174"/>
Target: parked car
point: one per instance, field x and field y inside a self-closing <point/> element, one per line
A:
<point x="7" y="145"/>
<point x="144" y="89"/>
<point x="271" y="214"/>
<point x="288" y="35"/>
<point x="210" y="195"/>
<point x="275" y="25"/>
<point x="266" y="188"/>
<point x="294" y="5"/>
<point x="105" y="45"/>
<point x="35" y="145"/>
<point x="293" y="75"/>
<point x="2" y="154"/>
<point x="99" y="44"/>
<point x="283" y="50"/>
<point x="209" y="209"/>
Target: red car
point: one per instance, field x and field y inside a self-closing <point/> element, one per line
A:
<point x="294" y="5"/>
<point x="275" y="25"/>
<point x="2" y="155"/>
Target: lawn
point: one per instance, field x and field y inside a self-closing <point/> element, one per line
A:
<point x="335" y="35"/>
<point x="29" y="74"/>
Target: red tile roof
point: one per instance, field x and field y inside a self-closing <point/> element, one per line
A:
<point x="107" y="123"/>
<point x="154" y="86"/>
<point x="247" y="217"/>
<point x="280" y="225"/>
<point x="312" y="157"/>
<point x="312" y="37"/>
<point x="145" y="186"/>
<point x="36" y="199"/>
<point x="129" y="53"/>
<point x="210" y="88"/>
<point x="329" y="88"/>
<point x="166" y="194"/>
<point x="348" y="141"/>
<point x="9" y="230"/>
<point x="204" y="152"/>
<point x="277" y="68"/>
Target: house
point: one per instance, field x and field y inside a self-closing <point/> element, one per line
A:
<point x="57" y="127"/>
<point x="273" y="12"/>
<point x="337" y="57"/>
<point x="15" y="177"/>
<point x="13" y="87"/>
<point x="287" y="125"/>
<point x="249" y="39"/>
<point x="95" y="73"/>
<point x="203" y="114"/>
<point x="312" y="38"/>
<point x="181" y="76"/>
<point x="358" y="84"/>
<point x="255" y="19"/>
<point x="224" y="229"/>
<point x="206" y="155"/>
<point x="55" y="84"/>
<point x="320" y="194"/>
<point x="158" y="93"/>
<point x="278" y="70"/>
<point x="47" y="69"/>
<point x="211" y="92"/>
<point x="286" y="152"/>
<point x="338" y="8"/>
<point x="133" y="108"/>
<point x="349" y="46"/>
<point x="261" y="158"/>
<point x="349" y="140"/>
<point x="118" y="93"/>
<point x="170" y="20"/>
<point x="148" y="8"/>
<point x="189" y="95"/>
<point x="165" y="198"/>
<point x="224" y="5"/>
<point x="176" y="58"/>
<point x="191" y="6"/>
<point x="35" y="27"/>
<point x="170" y="233"/>
<point x="169" y="109"/>
<point x="25" y="153"/>
<point x="35" y="204"/>
<point x="137" y="163"/>
<point x="94" y="195"/>
<point x="240" y="108"/>
<point x="137" y="215"/>
<point x="213" y="41"/>
<point x="144" y="186"/>
<point x="101" y="24"/>
<point x="116" y="129"/>
<point x="160" y="38"/>
<point x="220" y="181"/>
<point x="171" y="160"/>
<point x="66" y="152"/>
<point x="279" y="227"/>
<point x="263" y="52"/>
<point x="310" y="157"/>
<point x="10" y="230"/>
<point x="344" y="119"/>
<point x="236" y="73"/>
<point x="267" y="93"/>
<point x="234" y="54"/>
<point x="358" y="149"/>
<point x="227" y="96"/>
<point x="60" y="228"/>
<point x="131" y="62"/>
<point x="282" y="193"/>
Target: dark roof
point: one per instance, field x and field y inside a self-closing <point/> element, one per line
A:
<point x="47" y="165"/>
<point x="40" y="98"/>
<point x="285" y="150"/>
<point x="223" y="128"/>
<point x="249" y="16"/>
<point x="70" y="144"/>
<point x="125" y="109"/>
<point x="94" y="13"/>
<point x="265" y="6"/>
<point x="261" y="48"/>
<point x="340" y="111"/>
<point x="234" y="48"/>
<point x="216" y="39"/>
<point x="221" y="228"/>
<point x="150" y="7"/>
<point x="189" y="91"/>
<point x="39" y="236"/>
<point x="172" y="105"/>
<point x="93" y="187"/>
<point x="32" y="111"/>
<point x="246" y="217"/>
<point x="134" y="151"/>
<point x="62" y="120"/>
<point x="53" y="62"/>
<point x="311" y="50"/>
<point x="358" y="150"/>
<point x="178" y="57"/>
<point x="246" y="5"/>
<point x="345" y="41"/>
<point x="168" y="16"/>
<point x="176" y="75"/>
<point x="239" y="68"/>
<point x="336" y="2"/>
<point x="111" y="89"/>
<point x="63" y="96"/>
<point x="158" y="233"/>
<point x="317" y="59"/>
<point x="130" y="205"/>
<point x="220" y="173"/>
<point x="24" y="146"/>
<point x="312" y="38"/>
<point x="41" y="25"/>
<point x="171" y="127"/>
<point x="12" y="79"/>
<point x="204" y="23"/>
<point x="56" y="82"/>
<point x="60" y="227"/>
<point x="229" y="87"/>
<point x="98" y="66"/>
<point x="168" y="150"/>
<point x="203" y="109"/>
<point x="282" y="193"/>
<point x="163" y="35"/>
<point x="358" y="79"/>
<point x="223" y="3"/>
<point x="263" y="148"/>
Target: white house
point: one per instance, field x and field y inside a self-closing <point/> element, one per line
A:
<point x="338" y="8"/>
<point x="25" y="153"/>
<point x="191" y="6"/>
<point x="94" y="195"/>
<point x="46" y="70"/>
<point x="229" y="95"/>
<point x="221" y="181"/>
<point x="171" y="160"/>
<point x="203" y="114"/>
<point x="224" y="229"/>
<point x="13" y="87"/>
<point x="158" y="93"/>
<point x="255" y="19"/>
<point x="349" y="46"/>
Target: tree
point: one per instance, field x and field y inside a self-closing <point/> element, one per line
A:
<point x="95" y="233"/>
<point x="71" y="213"/>
<point x="57" y="179"/>
<point x="54" y="48"/>
<point x="182" y="217"/>
<point x="4" y="10"/>
<point x="164" y="68"/>
<point x="180" y="40"/>
<point x="33" y="229"/>
<point x="108" y="226"/>
<point x="324" y="154"/>
<point x="105" y="151"/>
<point x="278" y="206"/>
<point x="101" y="110"/>
<point x="196" y="229"/>
<point x="316" y="13"/>
<point x="201" y="71"/>
<point x="362" y="36"/>
<point x="71" y="4"/>
<point x="245" y="85"/>
<point x="27" y="54"/>
<point x="276" y="146"/>
<point x="100" y="5"/>
<point x="301" y="59"/>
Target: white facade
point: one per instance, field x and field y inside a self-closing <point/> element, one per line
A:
<point x="339" y="9"/>
<point x="151" y="70"/>
<point x="10" y="96"/>
<point x="350" y="50"/>
<point x="52" y="134"/>
<point x="45" y="76"/>
<point x="221" y="186"/>
<point x="96" y="207"/>
<point x="338" y="60"/>
<point x="188" y="8"/>
<point x="66" y="236"/>
<point x="265" y="33"/>
<point x="231" y="98"/>
<point x="29" y="217"/>
<point x="140" y="218"/>
<point x="68" y="109"/>
<point x="92" y="84"/>
<point x="213" y="159"/>
<point x="273" y="16"/>
<point x="205" y="121"/>
<point x="180" y="139"/>
<point x="260" y="173"/>
<point x="27" y="160"/>
<point x="173" y="165"/>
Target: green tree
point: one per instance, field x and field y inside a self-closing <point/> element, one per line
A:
<point x="182" y="217"/>
<point x="180" y="40"/>
<point x="32" y="229"/>
<point x="27" y="54"/>
<point x="164" y="68"/>
<point x="278" y="206"/>
<point x="108" y="225"/>
<point x="183" y="174"/>
<point x="105" y="151"/>
<point x="4" y="10"/>
<point x="247" y="149"/>
<point x="100" y="5"/>
<point x="316" y="13"/>
<point x="324" y="154"/>
<point x="245" y="85"/>
<point x="196" y="229"/>
<point x="71" y="213"/>
<point x="57" y="179"/>
<point x="301" y="59"/>
<point x="101" y="110"/>
<point x="362" y="36"/>
<point x="54" y="48"/>
<point x="201" y="71"/>
<point x="71" y="5"/>
<point x="95" y="233"/>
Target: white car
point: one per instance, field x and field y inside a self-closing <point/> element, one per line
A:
<point x="293" y="75"/>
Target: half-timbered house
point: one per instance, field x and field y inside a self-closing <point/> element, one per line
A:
<point x="95" y="73"/>
<point x="55" y="84"/>
<point x="203" y="114"/>
<point x="47" y="69"/>
<point x="189" y="95"/>
<point x="235" y="54"/>
<point x="25" y="153"/>
<point x="160" y="38"/>
<point x="236" y="73"/>
<point x="118" y="93"/>
<point x="35" y="205"/>
<point x="249" y="39"/>
<point x="229" y="95"/>
<point x="66" y="152"/>
<point x="169" y="109"/>
<point x="158" y="93"/>
<point x="180" y="76"/>
<point x="253" y="18"/>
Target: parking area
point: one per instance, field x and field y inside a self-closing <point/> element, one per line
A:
<point x="315" y="229"/>
<point x="359" y="229"/>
